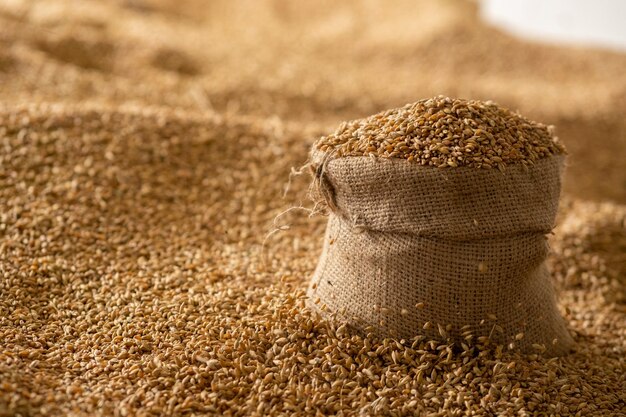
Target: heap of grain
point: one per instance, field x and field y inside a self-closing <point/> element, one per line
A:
<point x="455" y="253"/>
<point x="123" y="293"/>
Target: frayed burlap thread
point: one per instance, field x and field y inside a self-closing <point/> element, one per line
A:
<point x="462" y="248"/>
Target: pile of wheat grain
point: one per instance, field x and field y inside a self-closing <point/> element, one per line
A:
<point x="144" y="168"/>
<point x="445" y="132"/>
<point x="134" y="283"/>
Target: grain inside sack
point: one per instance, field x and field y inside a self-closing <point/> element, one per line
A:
<point x="438" y="216"/>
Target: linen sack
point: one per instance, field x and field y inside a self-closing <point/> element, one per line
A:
<point x="461" y="248"/>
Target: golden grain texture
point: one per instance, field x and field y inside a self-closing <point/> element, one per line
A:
<point x="319" y="63"/>
<point x="144" y="150"/>
<point x="133" y="283"/>
<point x="445" y="132"/>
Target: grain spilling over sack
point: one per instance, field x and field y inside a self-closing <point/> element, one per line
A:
<point x="445" y="132"/>
<point x="453" y="253"/>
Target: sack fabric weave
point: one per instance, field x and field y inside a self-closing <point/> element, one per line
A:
<point x="470" y="244"/>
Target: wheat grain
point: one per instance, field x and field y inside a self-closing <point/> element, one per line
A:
<point x="445" y="132"/>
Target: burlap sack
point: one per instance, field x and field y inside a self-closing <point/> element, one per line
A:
<point x="469" y="244"/>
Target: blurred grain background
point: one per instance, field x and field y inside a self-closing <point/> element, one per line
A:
<point x="314" y="63"/>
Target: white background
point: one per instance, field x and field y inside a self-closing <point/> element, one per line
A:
<point x="583" y="22"/>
